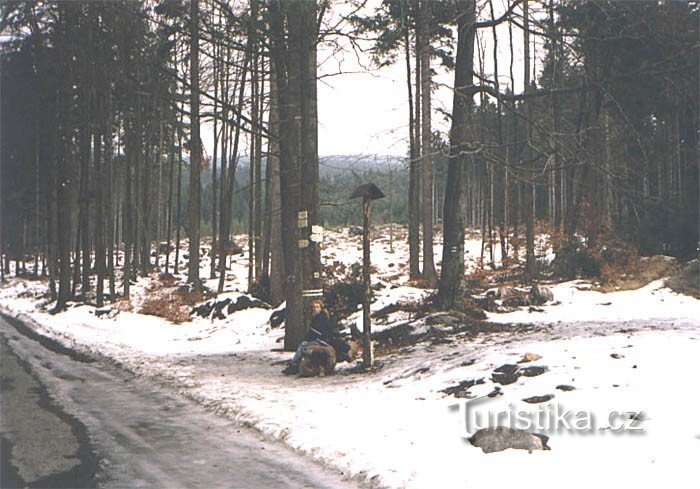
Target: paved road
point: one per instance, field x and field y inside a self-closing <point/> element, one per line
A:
<point x="67" y="421"/>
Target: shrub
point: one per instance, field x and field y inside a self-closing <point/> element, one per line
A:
<point x="574" y="261"/>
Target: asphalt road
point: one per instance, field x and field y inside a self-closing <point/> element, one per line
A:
<point x="68" y="421"/>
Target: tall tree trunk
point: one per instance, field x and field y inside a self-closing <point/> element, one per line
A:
<point x="128" y="221"/>
<point x="288" y="70"/>
<point x="195" y="149"/>
<point x="311" y="255"/>
<point x="227" y="194"/>
<point x="277" y="269"/>
<point x="63" y="180"/>
<point x="109" y="198"/>
<point x="214" y="165"/>
<point x="451" y="285"/>
<point x="171" y="185"/>
<point x="178" y="203"/>
<point x="100" y="184"/>
<point x="429" y="273"/>
<point x="529" y="192"/>
<point x="84" y="198"/>
<point x="258" y="213"/>
<point x="413" y="192"/>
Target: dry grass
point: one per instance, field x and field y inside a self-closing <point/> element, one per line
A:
<point x="169" y="301"/>
<point x="635" y="272"/>
<point x="167" y="307"/>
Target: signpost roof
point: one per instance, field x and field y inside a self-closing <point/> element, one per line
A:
<point x="367" y="191"/>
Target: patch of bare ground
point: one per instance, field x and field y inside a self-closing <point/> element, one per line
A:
<point x="635" y="272"/>
<point x="444" y="330"/>
<point x="686" y="280"/>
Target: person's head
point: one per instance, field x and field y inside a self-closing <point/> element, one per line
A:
<point x="316" y="307"/>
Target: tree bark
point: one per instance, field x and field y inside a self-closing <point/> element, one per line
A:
<point x="413" y="192"/>
<point x="529" y="193"/>
<point x="195" y="150"/>
<point x="451" y="285"/>
<point x="429" y="273"/>
<point x="277" y="268"/>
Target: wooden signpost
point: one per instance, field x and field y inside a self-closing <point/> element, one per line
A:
<point x="368" y="192"/>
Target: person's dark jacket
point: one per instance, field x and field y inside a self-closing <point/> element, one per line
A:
<point x="322" y="328"/>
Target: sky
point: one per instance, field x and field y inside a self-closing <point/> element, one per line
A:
<point x="364" y="110"/>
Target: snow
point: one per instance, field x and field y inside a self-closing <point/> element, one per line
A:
<point x="576" y="303"/>
<point x="394" y="427"/>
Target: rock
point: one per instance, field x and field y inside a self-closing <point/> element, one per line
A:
<point x="499" y="438"/>
<point x="530" y="357"/>
<point x="540" y="294"/>
<point x="106" y="312"/>
<point x="218" y="311"/>
<point x="204" y="309"/>
<point x="495" y="392"/>
<point x="616" y="356"/>
<point x="453" y="319"/>
<point x="539" y="399"/>
<point x="245" y="302"/>
<point x="461" y="390"/>
<point x="344" y="298"/>
<point x="506" y="374"/>
<point x="277" y="318"/>
<point x="164" y="248"/>
<point x="512" y="297"/>
<point x="566" y="388"/>
<point x="504" y="292"/>
<point x="533" y="371"/>
<point x="516" y="301"/>
<point x="214" y="308"/>
<point x="686" y="280"/>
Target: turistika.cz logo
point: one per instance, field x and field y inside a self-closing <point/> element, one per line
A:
<point x="547" y="419"/>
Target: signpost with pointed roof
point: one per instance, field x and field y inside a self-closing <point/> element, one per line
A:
<point x="368" y="192"/>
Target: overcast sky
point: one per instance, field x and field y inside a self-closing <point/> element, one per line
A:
<point x="364" y="110"/>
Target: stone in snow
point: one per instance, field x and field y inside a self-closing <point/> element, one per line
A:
<point x="499" y="438"/>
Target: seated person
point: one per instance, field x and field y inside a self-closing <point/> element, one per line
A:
<point x="321" y="332"/>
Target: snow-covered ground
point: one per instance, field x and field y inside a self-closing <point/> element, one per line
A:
<point x="623" y="352"/>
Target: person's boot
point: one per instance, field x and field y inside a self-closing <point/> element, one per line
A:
<point x="291" y="369"/>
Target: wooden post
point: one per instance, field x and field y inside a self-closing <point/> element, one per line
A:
<point x="391" y="209"/>
<point x="368" y="192"/>
<point x="367" y="353"/>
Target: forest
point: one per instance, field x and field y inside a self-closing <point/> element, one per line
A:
<point x="103" y="165"/>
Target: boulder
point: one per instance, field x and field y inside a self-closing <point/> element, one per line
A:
<point x="499" y="438"/>
<point x="245" y="302"/>
<point x="461" y="390"/>
<point x="540" y="295"/>
<point x="533" y="370"/>
<point x="214" y="308"/>
<point x="506" y="374"/>
<point x="452" y="319"/>
<point x="529" y="357"/>
<point x="277" y="318"/>
<point x="538" y="399"/>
